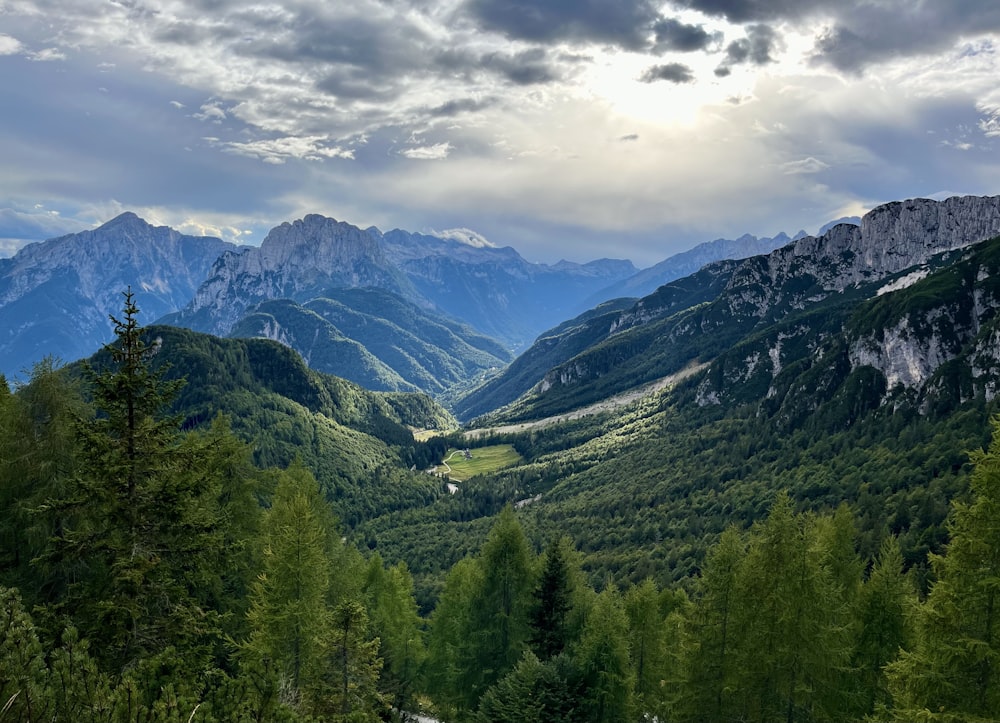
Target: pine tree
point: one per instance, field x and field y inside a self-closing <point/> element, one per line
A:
<point x="24" y="677"/>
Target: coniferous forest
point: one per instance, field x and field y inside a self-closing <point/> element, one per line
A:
<point x="155" y="570"/>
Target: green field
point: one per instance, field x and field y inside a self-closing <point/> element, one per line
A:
<point x="483" y="460"/>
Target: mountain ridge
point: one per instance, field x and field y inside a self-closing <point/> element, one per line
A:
<point x="667" y="330"/>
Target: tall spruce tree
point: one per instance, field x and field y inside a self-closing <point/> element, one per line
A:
<point x="553" y="601"/>
<point x="142" y="516"/>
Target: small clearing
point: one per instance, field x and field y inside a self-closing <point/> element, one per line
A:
<point x="460" y="464"/>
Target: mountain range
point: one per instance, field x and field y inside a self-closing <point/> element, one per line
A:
<point x="56" y="296"/>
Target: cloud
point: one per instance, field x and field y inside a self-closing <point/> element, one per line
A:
<point x="756" y="48"/>
<point x="672" y="72"/>
<point x="866" y="33"/>
<point x="544" y="98"/>
<point x="276" y="151"/>
<point x="806" y="165"/>
<point x="529" y="67"/>
<point x="624" y="23"/>
<point x="9" y="45"/>
<point x="747" y="11"/>
<point x="212" y="112"/>
<point x="673" y="35"/>
<point x="459" y="106"/>
<point x="35" y="225"/>
<point x="466" y="236"/>
<point x="47" y="55"/>
<point x="436" y="152"/>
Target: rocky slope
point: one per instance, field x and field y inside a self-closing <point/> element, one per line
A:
<point x="56" y="295"/>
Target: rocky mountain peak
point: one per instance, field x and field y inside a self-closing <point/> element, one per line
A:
<point x="56" y="295"/>
<point x="296" y="260"/>
<point x="318" y="241"/>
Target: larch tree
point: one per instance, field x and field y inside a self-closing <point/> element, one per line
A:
<point x="952" y="670"/>
<point x="502" y="601"/>
<point x="709" y="652"/>
<point x="288" y="615"/>
<point x="396" y="621"/>
<point x="603" y="660"/>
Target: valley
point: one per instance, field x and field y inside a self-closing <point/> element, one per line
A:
<point x="805" y="434"/>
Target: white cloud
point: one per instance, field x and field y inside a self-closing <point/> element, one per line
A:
<point x="436" y="152"/>
<point x="806" y="165"/>
<point x="9" y="45"/>
<point x="48" y="55"/>
<point x="212" y="112"/>
<point x="277" y="151"/>
<point x="466" y="236"/>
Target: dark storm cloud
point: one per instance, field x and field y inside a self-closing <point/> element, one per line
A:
<point x="864" y="32"/>
<point x="456" y="107"/>
<point x="747" y="11"/>
<point x="625" y="23"/>
<point x="672" y="72"/>
<point x="873" y="33"/>
<point x="673" y="35"/>
<point x="756" y="48"/>
<point x="528" y="67"/>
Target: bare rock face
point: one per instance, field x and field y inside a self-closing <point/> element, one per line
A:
<point x="295" y="261"/>
<point x="891" y="238"/>
<point x="905" y="233"/>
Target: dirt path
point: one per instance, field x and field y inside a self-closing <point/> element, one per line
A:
<point x="605" y="405"/>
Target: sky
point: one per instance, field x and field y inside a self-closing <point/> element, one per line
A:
<point x="568" y="129"/>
